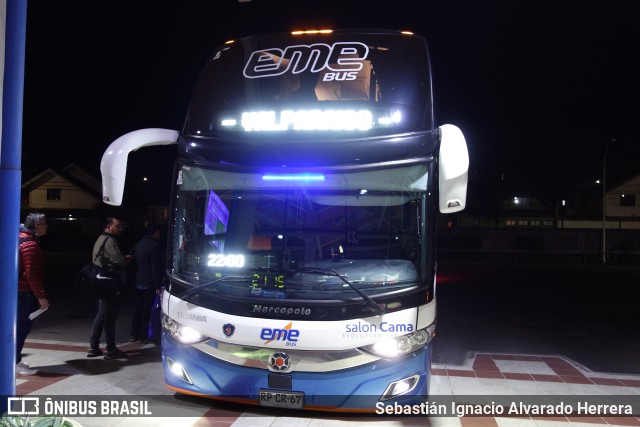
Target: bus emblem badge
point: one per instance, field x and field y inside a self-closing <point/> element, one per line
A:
<point x="228" y="329"/>
<point x="279" y="361"/>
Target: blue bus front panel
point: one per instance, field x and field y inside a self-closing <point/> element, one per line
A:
<point x="358" y="388"/>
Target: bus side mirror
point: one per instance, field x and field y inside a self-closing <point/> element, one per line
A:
<point x="113" y="166"/>
<point x="453" y="169"/>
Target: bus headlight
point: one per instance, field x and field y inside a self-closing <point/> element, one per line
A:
<point x="180" y="332"/>
<point x="399" y="346"/>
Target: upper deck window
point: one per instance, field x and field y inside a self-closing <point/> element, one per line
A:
<point x="337" y="85"/>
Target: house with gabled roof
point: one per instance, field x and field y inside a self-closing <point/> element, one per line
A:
<point x="623" y="200"/>
<point x="71" y="198"/>
<point x="69" y="189"/>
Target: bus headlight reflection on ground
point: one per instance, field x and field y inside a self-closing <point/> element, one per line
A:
<point x="180" y="332"/>
<point x="405" y="344"/>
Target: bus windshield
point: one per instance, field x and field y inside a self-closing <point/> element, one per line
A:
<point x="329" y="85"/>
<point x="332" y="235"/>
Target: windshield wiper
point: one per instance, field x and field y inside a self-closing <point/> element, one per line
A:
<point x="377" y="308"/>
<point x="198" y="288"/>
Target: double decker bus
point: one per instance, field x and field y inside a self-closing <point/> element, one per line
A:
<point x="301" y="254"/>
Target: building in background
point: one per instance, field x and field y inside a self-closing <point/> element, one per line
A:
<point x="70" y="189"/>
<point x="518" y="225"/>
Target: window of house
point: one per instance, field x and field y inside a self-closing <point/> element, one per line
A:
<point x="628" y="200"/>
<point x="511" y="222"/>
<point x="535" y="222"/>
<point x="523" y="222"/>
<point x="53" y="193"/>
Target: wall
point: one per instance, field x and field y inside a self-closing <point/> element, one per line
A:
<point x="556" y="241"/>
<point x="71" y="196"/>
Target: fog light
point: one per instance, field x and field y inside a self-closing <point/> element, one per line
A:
<point x="399" y="388"/>
<point x="177" y="370"/>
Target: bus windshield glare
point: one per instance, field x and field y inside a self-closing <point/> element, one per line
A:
<point x="299" y="235"/>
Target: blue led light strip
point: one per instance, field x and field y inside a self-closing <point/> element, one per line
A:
<point x="294" y="177"/>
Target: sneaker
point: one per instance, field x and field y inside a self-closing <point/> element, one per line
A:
<point x="95" y="352"/>
<point x="116" y="353"/>
<point x="143" y="341"/>
<point x="24" y="369"/>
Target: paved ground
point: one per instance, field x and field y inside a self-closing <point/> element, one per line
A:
<point x="66" y="371"/>
<point x="57" y="346"/>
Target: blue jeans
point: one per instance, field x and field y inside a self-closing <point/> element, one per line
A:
<point x="27" y="304"/>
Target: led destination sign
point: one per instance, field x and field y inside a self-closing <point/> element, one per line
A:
<point x="307" y="120"/>
<point x="310" y="120"/>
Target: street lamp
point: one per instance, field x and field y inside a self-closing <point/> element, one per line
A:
<point x="604" y="201"/>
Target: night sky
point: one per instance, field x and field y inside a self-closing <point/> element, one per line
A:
<point x="537" y="87"/>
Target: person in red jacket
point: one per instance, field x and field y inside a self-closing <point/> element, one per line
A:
<point x="31" y="291"/>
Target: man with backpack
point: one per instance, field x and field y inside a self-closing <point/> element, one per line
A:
<point x="106" y="253"/>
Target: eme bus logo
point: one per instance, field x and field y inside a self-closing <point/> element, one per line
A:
<point x="345" y="57"/>
<point x="287" y="334"/>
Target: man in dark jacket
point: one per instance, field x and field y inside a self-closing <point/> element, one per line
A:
<point x="31" y="292"/>
<point x="147" y="282"/>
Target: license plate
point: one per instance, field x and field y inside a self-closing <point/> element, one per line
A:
<point x="281" y="399"/>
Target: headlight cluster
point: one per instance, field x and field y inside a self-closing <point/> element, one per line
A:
<point x="180" y="332"/>
<point x="399" y="346"/>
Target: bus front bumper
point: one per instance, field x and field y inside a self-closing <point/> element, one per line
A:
<point x="405" y="381"/>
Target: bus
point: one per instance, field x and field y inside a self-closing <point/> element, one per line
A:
<point x="301" y="235"/>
